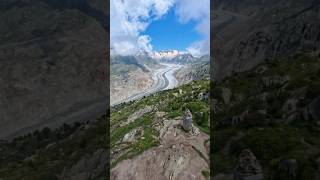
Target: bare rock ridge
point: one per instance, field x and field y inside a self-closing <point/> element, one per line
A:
<point x="176" y="158"/>
<point x="249" y="33"/>
<point x="53" y="65"/>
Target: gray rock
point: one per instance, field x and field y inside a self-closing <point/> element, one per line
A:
<point x="248" y="167"/>
<point x="187" y="120"/>
<point x="137" y="114"/>
<point x="132" y="135"/>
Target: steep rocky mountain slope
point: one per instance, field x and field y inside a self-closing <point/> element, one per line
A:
<point x="266" y="121"/>
<point x="248" y="32"/>
<point x="180" y="59"/>
<point x="177" y="57"/>
<point x="199" y="69"/>
<point x="130" y="75"/>
<point x="150" y="141"/>
<point x="52" y="63"/>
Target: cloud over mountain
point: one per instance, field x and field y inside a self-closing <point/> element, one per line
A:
<point x="198" y="11"/>
<point x="130" y="18"/>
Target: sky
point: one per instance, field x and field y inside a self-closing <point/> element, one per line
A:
<point x="167" y="33"/>
<point x="154" y="25"/>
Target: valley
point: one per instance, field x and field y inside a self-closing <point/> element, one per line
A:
<point x="133" y="77"/>
<point x="148" y="126"/>
<point x="162" y="79"/>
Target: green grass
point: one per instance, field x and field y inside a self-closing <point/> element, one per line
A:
<point x="118" y="133"/>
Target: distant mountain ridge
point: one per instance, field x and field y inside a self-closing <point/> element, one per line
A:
<point x="167" y="56"/>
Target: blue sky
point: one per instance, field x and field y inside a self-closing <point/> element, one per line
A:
<point x="168" y="33"/>
<point x="153" y="25"/>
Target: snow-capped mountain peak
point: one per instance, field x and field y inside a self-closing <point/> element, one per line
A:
<point x="170" y="54"/>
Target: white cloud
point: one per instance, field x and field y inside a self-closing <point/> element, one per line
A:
<point x="144" y="43"/>
<point x="129" y="18"/>
<point x="199" y="48"/>
<point x="197" y="11"/>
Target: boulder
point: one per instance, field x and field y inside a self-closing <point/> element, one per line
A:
<point x="187" y="120"/>
<point x="132" y="135"/>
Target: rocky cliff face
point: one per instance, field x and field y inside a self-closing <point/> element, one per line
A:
<point x="52" y="64"/>
<point x="199" y="69"/>
<point x="248" y="32"/>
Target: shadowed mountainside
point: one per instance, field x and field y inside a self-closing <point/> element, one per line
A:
<point x="53" y="64"/>
<point x="251" y="32"/>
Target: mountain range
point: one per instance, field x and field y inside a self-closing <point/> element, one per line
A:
<point x="133" y="74"/>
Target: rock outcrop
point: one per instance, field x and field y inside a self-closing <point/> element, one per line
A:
<point x="248" y="167"/>
<point x="186" y="121"/>
<point x="132" y="135"/>
<point x="176" y="158"/>
<point x="172" y="145"/>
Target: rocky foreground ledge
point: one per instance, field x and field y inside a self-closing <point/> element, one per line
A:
<point x="158" y="137"/>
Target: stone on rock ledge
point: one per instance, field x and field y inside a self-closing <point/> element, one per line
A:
<point x="187" y="120"/>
